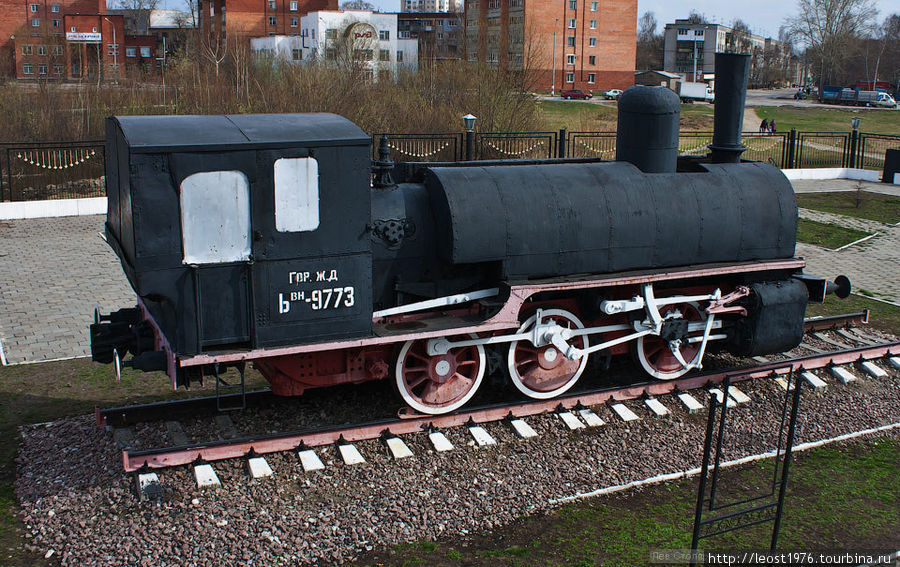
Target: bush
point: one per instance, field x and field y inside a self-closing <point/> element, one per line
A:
<point x="432" y="100"/>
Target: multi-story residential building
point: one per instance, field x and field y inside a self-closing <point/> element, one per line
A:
<point x="356" y="38"/>
<point x="690" y="48"/>
<point x="428" y="6"/>
<point x="559" y="44"/>
<point x="256" y="18"/>
<point x="440" y="34"/>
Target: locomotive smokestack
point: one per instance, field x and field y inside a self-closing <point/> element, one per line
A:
<point x="647" y="133"/>
<point x="732" y="70"/>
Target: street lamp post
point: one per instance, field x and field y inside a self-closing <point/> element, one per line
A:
<point x="115" y="48"/>
<point x="553" y="62"/>
<point x="854" y="141"/>
<point x="469" y="121"/>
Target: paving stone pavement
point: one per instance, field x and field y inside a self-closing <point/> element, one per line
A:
<point x="52" y="273"/>
<point x="873" y="265"/>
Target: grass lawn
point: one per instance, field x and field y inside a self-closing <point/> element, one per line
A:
<point x="826" y="118"/>
<point x="839" y="497"/>
<point x="586" y="116"/>
<point x="859" y="204"/>
<point x="827" y="235"/>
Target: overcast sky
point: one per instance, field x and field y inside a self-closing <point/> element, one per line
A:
<point x="763" y="16"/>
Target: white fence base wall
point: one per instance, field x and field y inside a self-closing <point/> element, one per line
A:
<point x="52" y="208"/>
<point x="833" y="173"/>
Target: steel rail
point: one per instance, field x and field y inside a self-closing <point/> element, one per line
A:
<point x="129" y="415"/>
<point x="134" y="460"/>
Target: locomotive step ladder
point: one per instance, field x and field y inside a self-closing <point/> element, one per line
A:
<point x="226" y="401"/>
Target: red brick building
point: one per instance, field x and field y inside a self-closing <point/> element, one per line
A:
<point x="560" y="44"/>
<point x="69" y="40"/>
<point x="256" y="18"/>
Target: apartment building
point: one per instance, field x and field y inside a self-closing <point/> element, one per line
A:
<point x="560" y="44"/>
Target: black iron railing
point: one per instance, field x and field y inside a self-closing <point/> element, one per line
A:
<point x="66" y="170"/>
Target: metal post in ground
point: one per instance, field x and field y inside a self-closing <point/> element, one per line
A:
<point x="792" y="149"/>
<point x="469" y="121"/>
<point x="561" y="143"/>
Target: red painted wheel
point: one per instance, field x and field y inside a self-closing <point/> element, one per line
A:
<point x="544" y="372"/>
<point x="442" y="383"/>
<point x="654" y="353"/>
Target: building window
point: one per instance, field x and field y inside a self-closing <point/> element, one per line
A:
<point x="570" y="59"/>
<point x="593" y="24"/>
<point x="34" y="8"/>
<point x="35" y="22"/>
<point x="571" y="23"/>
<point x="592" y="60"/>
<point x="384" y="54"/>
<point x="592" y="42"/>
<point x="384" y="35"/>
<point x="42" y="50"/>
<point x="573" y="4"/>
<point x="72" y="29"/>
<point x="57" y="69"/>
<point x="592" y="77"/>
<point x="145" y="51"/>
<point x="94" y="30"/>
<point x="399" y="57"/>
<point x="54" y="8"/>
<point x="329" y="34"/>
<point x="27" y="50"/>
<point x="130" y="51"/>
<point x="272" y="20"/>
<point x="571" y="41"/>
<point x="570" y="77"/>
<point x="293" y="5"/>
<point x="296" y="54"/>
<point x="42" y="69"/>
<point x="594" y="5"/>
<point x="682" y="32"/>
<point x="55" y="23"/>
<point x="28" y="69"/>
<point x="273" y="5"/>
<point x="294" y="22"/>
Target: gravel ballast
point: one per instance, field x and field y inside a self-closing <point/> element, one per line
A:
<point x="77" y="503"/>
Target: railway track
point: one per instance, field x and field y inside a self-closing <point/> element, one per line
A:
<point x="574" y="409"/>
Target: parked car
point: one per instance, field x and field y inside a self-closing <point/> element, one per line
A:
<point x="613" y="94"/>
<point x="575" y="93"/>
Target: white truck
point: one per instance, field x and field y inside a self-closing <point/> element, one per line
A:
<point x="689" y="92"/>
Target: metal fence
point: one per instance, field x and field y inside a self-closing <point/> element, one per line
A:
<point x="822" y="149"/>
<point x="64" y="170"/>
<point x="54" y="170"/>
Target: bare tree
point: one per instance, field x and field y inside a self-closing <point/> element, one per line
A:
<point x="829" y="28"/>
<point x="137" y="14"/>
<point x="649" y="43"/>
<point x="696" y="17"/>
<point x="738" y="39"/>
<point x="357" y="5"/>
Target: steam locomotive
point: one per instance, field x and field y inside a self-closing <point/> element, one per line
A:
<point x="265" y="239"/>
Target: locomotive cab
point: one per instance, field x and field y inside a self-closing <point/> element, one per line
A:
<point x="241" y="231"/>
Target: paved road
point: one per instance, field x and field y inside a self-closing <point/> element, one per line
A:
<point x="54" y="271"/>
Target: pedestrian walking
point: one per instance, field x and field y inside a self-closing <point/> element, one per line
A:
<point x="763" y="126"/>
<point x="772" y="128"/>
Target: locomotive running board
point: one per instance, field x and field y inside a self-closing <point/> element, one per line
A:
<point x="506" y="318"/>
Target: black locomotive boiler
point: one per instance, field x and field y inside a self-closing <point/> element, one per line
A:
<point x="260" y="239"/>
